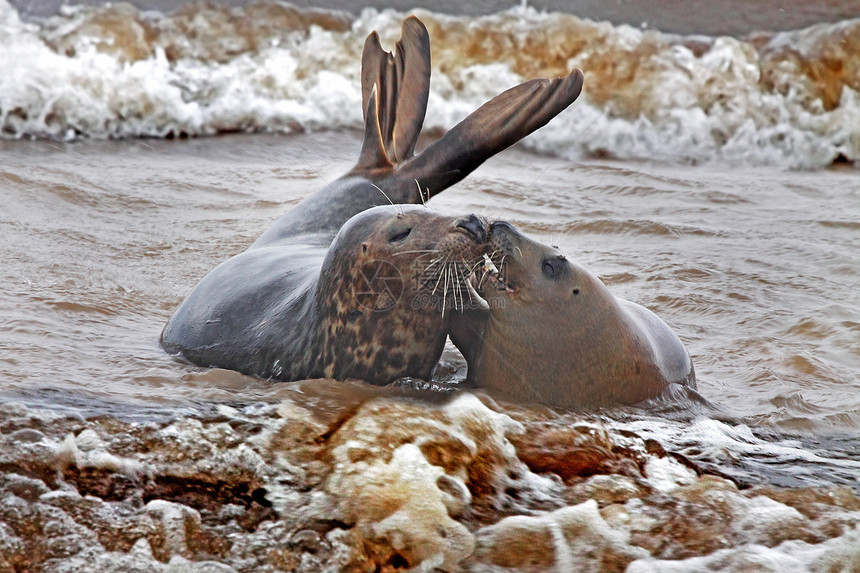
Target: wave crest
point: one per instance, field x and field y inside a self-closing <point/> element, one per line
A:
<point x="788" y="98"/>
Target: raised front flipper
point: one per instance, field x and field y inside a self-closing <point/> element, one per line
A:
<point x="496" y="125"/>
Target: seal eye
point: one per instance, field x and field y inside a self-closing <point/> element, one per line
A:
<point x="554" y="267"/>
<point x="397" y="237"/>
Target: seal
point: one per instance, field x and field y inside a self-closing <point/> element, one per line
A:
<point x="553" y="333"/>
<point x="360" y="280"/>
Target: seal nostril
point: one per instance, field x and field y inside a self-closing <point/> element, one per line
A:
<point x="503" y="225"/>
<point x="474" y="226"/>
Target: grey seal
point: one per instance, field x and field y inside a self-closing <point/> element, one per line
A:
<point x="316" y="295"/>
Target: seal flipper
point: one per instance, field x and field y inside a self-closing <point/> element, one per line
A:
<point x="496" y="125"/>
<point x="394" y="92"/>
<point x="373" y="155"/>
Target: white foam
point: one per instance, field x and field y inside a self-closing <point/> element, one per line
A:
<point x="682" y="107"/>
<point x="93" y="455"/>
<point x="718" y="441"/>
<point x="665" y="474"/>
<point x="838" y="554"/>
<point x="573" y="538"/>
<point x="399" y="501"/>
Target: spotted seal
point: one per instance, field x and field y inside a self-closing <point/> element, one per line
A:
<point x="316" y="295"/>
<point x="554" y="334"/>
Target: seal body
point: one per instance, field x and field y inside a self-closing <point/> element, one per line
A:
<point x="554" y="334"/>
<point x="359" y="280"/>
<point x="359" y="306"/>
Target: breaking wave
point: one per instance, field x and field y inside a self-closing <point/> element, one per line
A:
<point x="788" y="99"/>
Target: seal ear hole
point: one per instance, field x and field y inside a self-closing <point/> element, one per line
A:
<point x="575" y="291"/>
<point x="364" y="247"/>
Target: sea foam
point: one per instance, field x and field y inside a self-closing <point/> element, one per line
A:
<point x="116" y="72"/>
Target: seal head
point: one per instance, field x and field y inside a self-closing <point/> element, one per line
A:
<point x="554" y="333"/>
<point x="374" y="306"/>
<point x="388" y="287"/>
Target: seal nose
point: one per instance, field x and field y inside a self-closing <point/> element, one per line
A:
<point x="503" y="228"/>
<point x="475" y="226"/>
<point x="503" y="225"/>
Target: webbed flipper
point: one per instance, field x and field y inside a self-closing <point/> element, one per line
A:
<point x="496" y="125"/>
<point x="394" y="91"/>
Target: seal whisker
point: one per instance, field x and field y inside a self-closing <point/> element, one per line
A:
<point x="398" y="209"/>
<point x="455" y="284"/>
<point x="472" y="268"/>
<point x="501" y="269"/>
<point x="439" y="279"/>
<point x="484" y="275"/>
<point x="464" y="281"/>
<point x="449" y="282"/>
<point x="445" y="294"/>
<point x="418" y="251"/>
<point x="469" y="290"/>
<point x="470" y="287"/>
<point x="437" y="259"/>
<point x="508" y="205"/>
<point x="469" y="273"/>
<point x="433" y="263"/>
<point x="397" y="254"/>
<point x="421" y="194"/>
<point x="460" y="290"/>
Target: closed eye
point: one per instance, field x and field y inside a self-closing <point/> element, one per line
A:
<point x="399" y="236"/>
<point x="553" y="267"/>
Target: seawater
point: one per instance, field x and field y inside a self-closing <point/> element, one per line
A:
<point x="707" y="178"/>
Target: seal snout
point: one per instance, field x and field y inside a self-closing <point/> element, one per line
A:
<point x="502" y="226"/>
<point x="475" y="226"/>
<point x="503" y="237"/>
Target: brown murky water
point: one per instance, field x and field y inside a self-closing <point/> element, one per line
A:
<point x="756" y="268"/>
